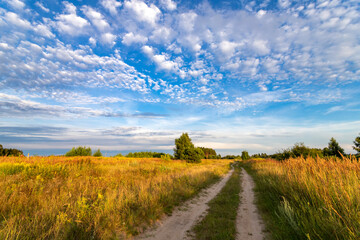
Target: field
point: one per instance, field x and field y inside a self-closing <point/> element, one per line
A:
<point x="309" y="198"/>
<point x="94" y="198"/>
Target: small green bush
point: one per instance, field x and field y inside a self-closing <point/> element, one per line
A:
<point x="79" y="151"/>
<point x="97" y="153"/>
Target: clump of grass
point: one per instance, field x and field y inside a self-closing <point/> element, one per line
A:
<point x="309" y="198"/>
<point x="91" y="197"/>
<point x="220" y="221"/>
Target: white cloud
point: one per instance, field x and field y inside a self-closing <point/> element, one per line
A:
<point x="111" y="5"/>
<point x="162" y="35"/>
<point x="17" y="4"/>
<point x="228" y="48"/>
<point x="261" y="47"/>
<point x="14" y="19"/>
<point x="70" y="23"/>
<point x="162" y="61"/>
<point x="143" y="12"/>
<point x="42" y="7"/>
<point x="92" y="41"/>
<point x="187" y="21"/>
<point x="130" y="38"/>
<point x="96" y="18"/>
<point x="43" y="30"/>
<point x="168" y="4"/>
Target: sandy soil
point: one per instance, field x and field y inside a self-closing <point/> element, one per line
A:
<point x="183" y="218"/>
<point x="249" y="224"/>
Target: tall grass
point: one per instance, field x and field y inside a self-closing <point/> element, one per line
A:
<point x="309" y="198"/>
<point x="94" y="198"/>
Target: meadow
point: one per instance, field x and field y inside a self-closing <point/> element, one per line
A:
<point x="312" y="198"/>
<point x="94" y="198"/>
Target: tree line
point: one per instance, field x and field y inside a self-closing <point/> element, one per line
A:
<point x="10" y="151"/>
<point x="186" y="150"/>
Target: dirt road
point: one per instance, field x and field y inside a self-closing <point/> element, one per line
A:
<point x="249" y="224"/>
<point x="175" y="227"/>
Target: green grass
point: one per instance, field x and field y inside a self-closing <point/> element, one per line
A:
<point x="220" y="222"/>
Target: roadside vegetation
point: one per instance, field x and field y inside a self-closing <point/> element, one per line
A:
<point x="94" y="197"/>
<point x="309" y="198"/>
<point x="220" y="221"/>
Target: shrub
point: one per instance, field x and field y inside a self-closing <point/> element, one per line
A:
<point x="79" y="151"/>
<point x="97" y="153"/>
<point x="245" y="155"/>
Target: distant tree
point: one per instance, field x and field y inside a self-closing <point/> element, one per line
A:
<point x="182" y="145"/>
<point x="145" y="155"/>
<point x="185" y="149"/>
<point x="231" y="157"/>
<point x="356" y="146"/>
<point x="209" y="153"/>
<point x="260" y="155"/>
<point x="97" y="153"/>
<point x="245" y="155"/>
<point x="79" y="151"/>
<point x="10" y="151"/>
<point x="333" y="149"/>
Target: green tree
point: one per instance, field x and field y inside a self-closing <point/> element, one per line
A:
<point x="356" y="146"/>
<point x="245" y="155"/>
<point x="185" y="149"/>
<point x="79" y="151"/>
<point x="97" y="153"/>
<point x="333" y="149"/>
<point x="209" y="153"/>
<point x="182" y="145"/>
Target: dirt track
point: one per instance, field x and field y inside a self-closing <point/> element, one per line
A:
<point x="175" y="227"/>
<point x="249" y="224"/>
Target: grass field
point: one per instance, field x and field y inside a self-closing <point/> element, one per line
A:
<point x="309" y="198"/>
<point x="94" y="198"/>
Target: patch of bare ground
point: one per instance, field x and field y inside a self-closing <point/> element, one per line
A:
<point x="248" y="222"/>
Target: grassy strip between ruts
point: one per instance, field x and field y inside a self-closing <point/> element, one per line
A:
<point x="308" y="198"/>
<point x="220" y="221"/>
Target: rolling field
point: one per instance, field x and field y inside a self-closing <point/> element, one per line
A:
<point x="94" y="198"/>
<point x="309" y="198"/>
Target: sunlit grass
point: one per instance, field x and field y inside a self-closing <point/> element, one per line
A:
<point x="94" y="198"/>
<point x="309" y="198"/>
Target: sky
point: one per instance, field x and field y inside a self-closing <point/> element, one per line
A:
<point x="134" y="75"/>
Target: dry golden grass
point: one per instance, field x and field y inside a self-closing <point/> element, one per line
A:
<point x="310" y="198"/>
<point x="94" y="198"/>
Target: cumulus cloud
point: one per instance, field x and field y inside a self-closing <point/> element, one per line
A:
<point x="143" y="12"/>
<point x="96" y="18"/>
<point x="130" y="38"/>
<point x="70" y="23"/>
<point x="168" y="4"/>
<point x="14" y="19"/>
<point x="17" y="4"/>
<point x="111" y="5"/>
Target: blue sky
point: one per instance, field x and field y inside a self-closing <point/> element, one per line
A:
<point x="133" y="75"/>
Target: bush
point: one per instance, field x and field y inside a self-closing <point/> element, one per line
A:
<point x="79" y="151"/>
<point x="194" y="155"/>
<point x="245" y="155"/>
<point x="97" y="153"/>
<point x="166" y="157"/>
